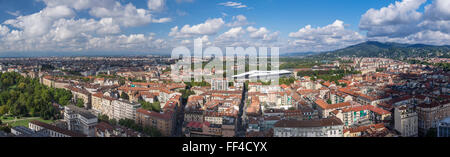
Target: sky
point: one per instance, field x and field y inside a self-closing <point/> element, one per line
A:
<point x="41" y="27"/>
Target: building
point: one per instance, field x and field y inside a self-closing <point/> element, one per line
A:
<point x="228" y="126"/>
<point x="430" y="114"/>
<point x="219" y="84"/>
<point x="80" y="93"/>
<point x="193" y="115"/>
<point x="102" y="104"/>
<point x="372" y="130"/>
<point x="21" y="131"/>
<point x="51" y="130"/>
<point x="52" y="82"/>
<point x="406" y="120"/>
<point x="124" y="109"/>
<point x="104" y="129"/>
<point x="443" y="129"/>
<point x="324" y="108"/>
<point x="328" y="127"/>
<point x="80" y="120"/>
<point x="202" y="129"/>
<point x="164" y="122"/>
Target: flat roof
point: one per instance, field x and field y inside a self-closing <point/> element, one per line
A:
<point x="82" y="112"/>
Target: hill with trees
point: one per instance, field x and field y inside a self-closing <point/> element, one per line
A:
<point x="390" y="50"/>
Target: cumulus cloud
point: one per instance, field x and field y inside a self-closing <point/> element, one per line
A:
<point x="40" y="23"/>
<point x="397" y="19"/>
<point x="57" y="27"/>
<point x="329" y="37"/>
<point x="3" y="30"/>
<point x="209" y="27"/>
<point x="81" y="4"/>
<point x="262" y="33"/>
<point x="233" y="33"/>
<point x="402" y="22"/>
<point x="156" y="5"/>
<point x="239" y="20"/>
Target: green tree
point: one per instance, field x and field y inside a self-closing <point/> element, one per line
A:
<point x="329" y="101"/>
<point x="125" y="96"/>
<point x="156" y="106"/>
<point x="80" y="103"/>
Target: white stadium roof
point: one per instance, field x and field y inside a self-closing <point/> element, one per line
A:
<point x="256" y="73"/>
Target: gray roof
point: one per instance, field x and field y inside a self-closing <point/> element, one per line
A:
<point x="81" y="111"/>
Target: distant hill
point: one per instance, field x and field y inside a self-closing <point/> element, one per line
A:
<point x="390" y="50"/>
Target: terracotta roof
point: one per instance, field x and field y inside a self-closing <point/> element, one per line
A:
<point x="364" y="128"/>
<point x="324" y="105"/>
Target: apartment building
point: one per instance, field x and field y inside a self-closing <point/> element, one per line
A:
<point x="406" y="120"/>
<point x="430" y="114"/>
<point x="123" y="109"/>
<point x="80" y="120"/>
<point x="327" y="127"/>
<point x="219" y="84"/>
<point x="164" y="122"/>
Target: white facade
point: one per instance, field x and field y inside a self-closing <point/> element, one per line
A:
<point x="406" y="121"/>
<point x="80" y="120"/>
<point x="124" y="109"/>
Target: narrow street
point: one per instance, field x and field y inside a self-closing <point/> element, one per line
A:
<point x="240" y="125"/>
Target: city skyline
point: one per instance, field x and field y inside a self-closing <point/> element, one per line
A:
<point x="111" y="27"/>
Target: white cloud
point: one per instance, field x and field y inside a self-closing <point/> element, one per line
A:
<point x="397" y="19"/>
<point x="16" y="13"/>
<point x="402" y="22"/>
<point x="81" y="4"/>
<point x="233" y="33"/>
<point x="438" y="10"/>
<point x="162" y="20"/>
<point x="128" y="15"/>
<point x="209" y="27"/>
<point x="3" y="30"/>
<point x="156" y="5"/>
<point x="233" y="4"/>
<point x="262" y="33"/>
<point x="239" y="20"/>
<point x="58" y="28"/>
<point x="329" y="37"/>
<point x="38" y="24"/>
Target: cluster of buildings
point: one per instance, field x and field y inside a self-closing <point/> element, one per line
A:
<point x="388" y="98"/>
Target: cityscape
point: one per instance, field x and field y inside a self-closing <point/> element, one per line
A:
<point x="387" y="75"/>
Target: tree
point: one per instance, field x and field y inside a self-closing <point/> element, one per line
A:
<point x="1" y="122"/>
<point x="113" y="121"/>
<point x="103" y="118"/>
<point x="329" y="101"/>
<point x="125" y="96"/>
<point x="80" y="103"/>
<point x="156" y="106"/>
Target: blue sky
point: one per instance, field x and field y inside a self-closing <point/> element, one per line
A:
<point x="34" y="26"/>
